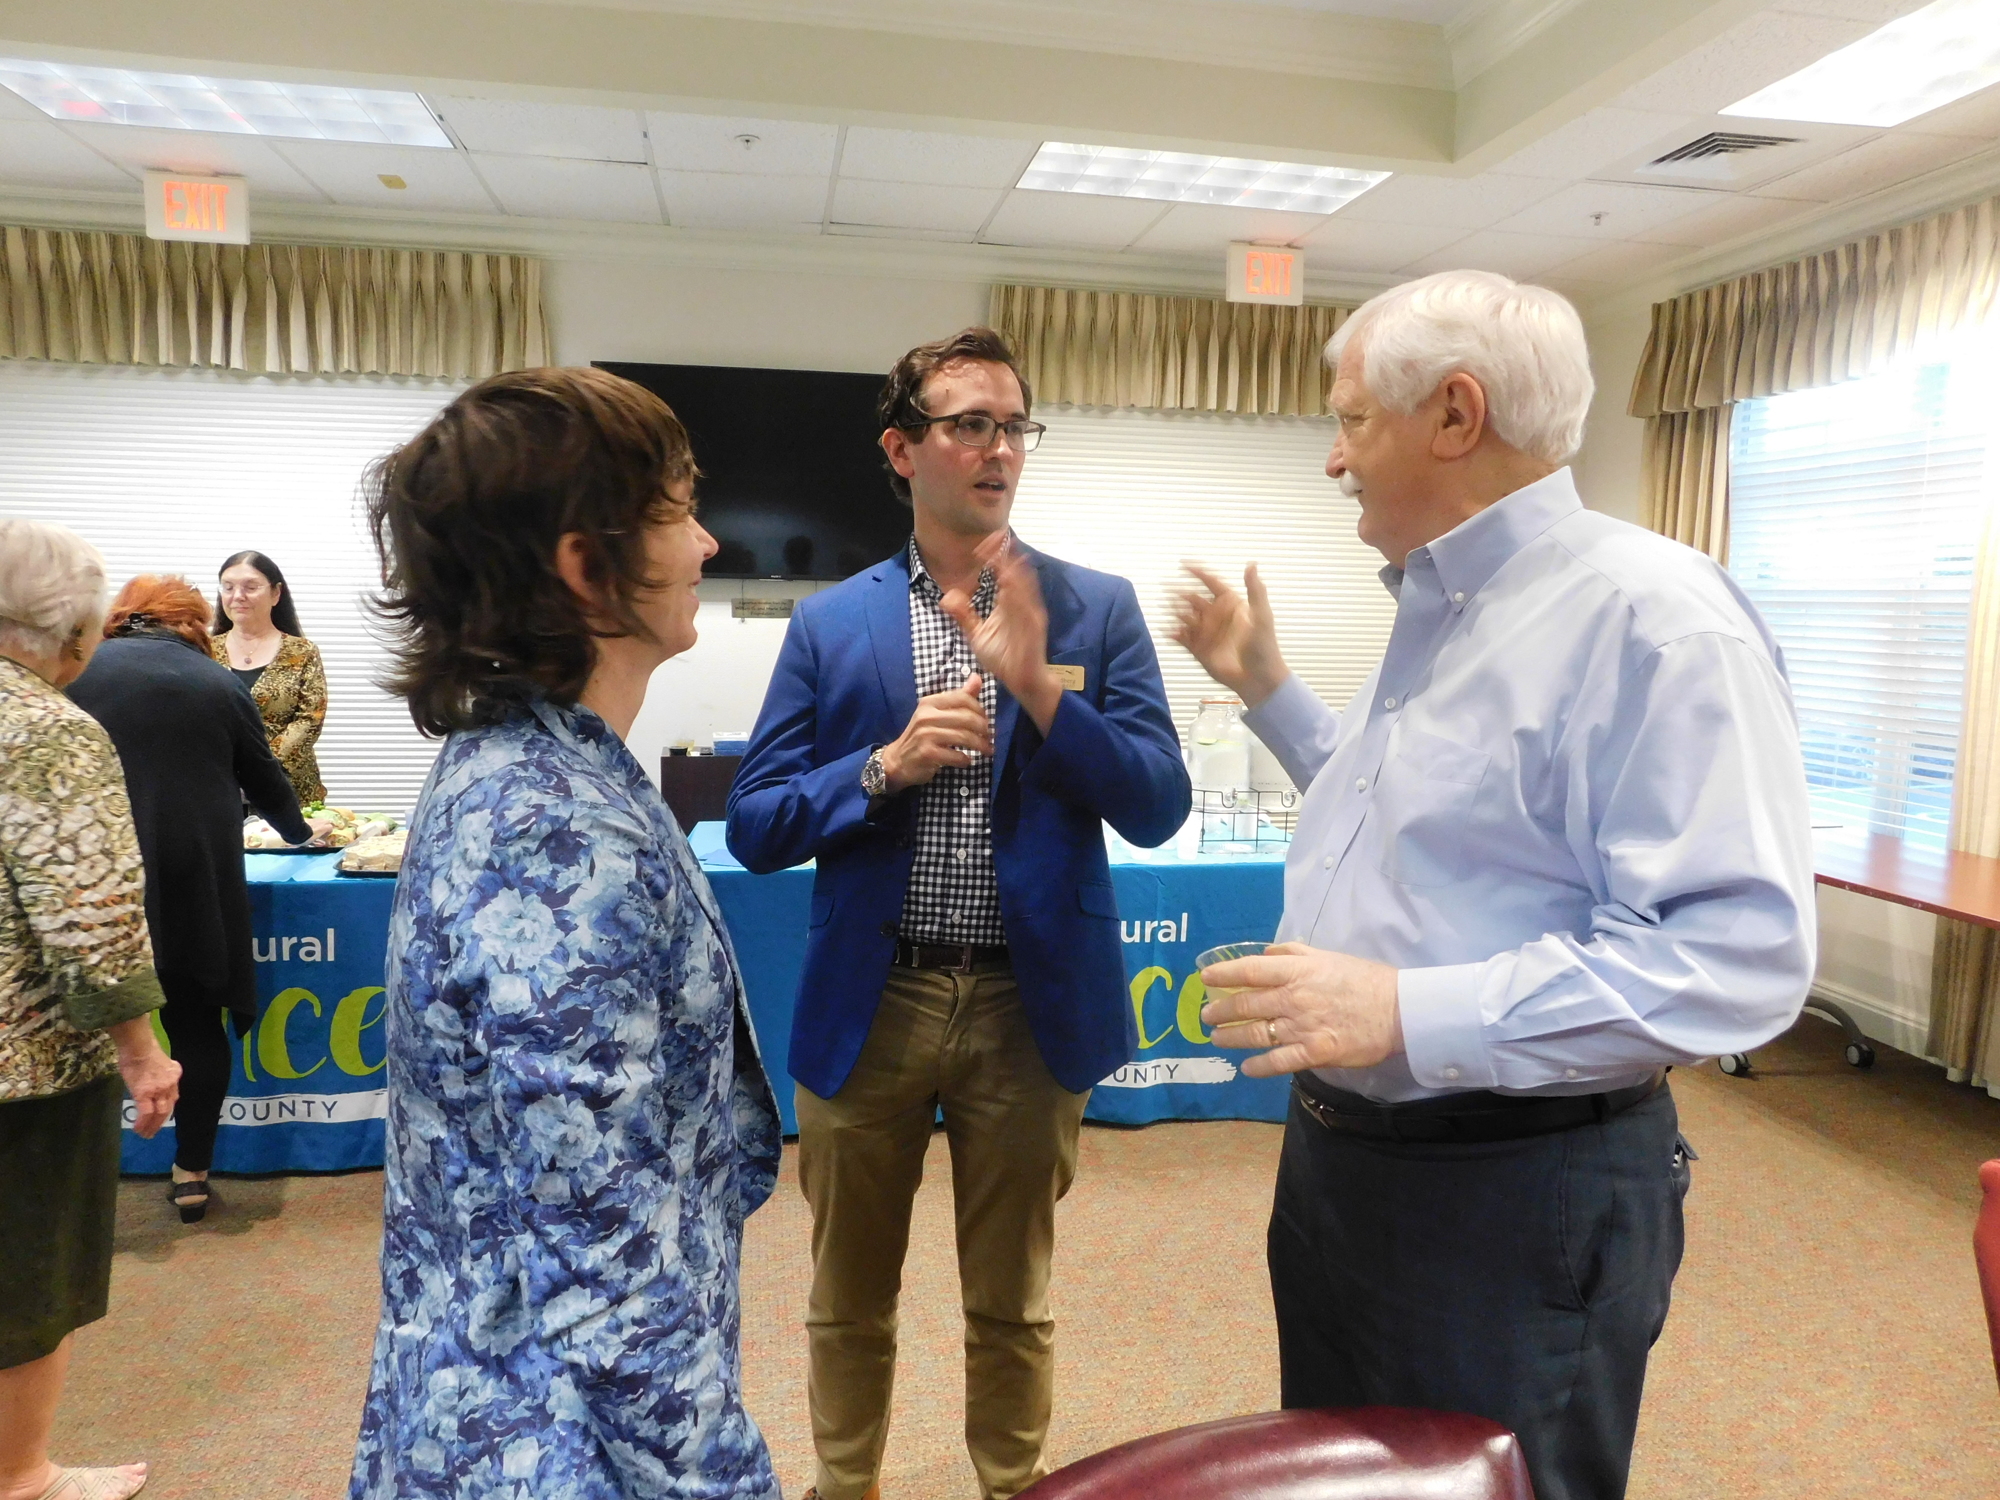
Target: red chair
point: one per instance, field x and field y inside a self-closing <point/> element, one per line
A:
<point x="1363" y="1453"/>
<point x="1986" y="1250"/>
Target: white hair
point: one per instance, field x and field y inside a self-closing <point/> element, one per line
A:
<point x="51" y="587"/>
<point x="1523" y="344"/>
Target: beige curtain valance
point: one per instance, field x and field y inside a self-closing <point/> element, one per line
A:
<point x="88" y="297"/>
<point x="1825" y="318"/>
<point x="1097" y="348"/>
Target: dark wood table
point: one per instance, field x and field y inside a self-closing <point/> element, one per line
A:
<point x="1962" y="886"/>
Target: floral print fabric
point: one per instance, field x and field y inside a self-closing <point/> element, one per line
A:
<point x="291" y="696"/>
<point x="578" y="1123"/>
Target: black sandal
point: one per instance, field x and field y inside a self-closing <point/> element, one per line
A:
<point x="191" y="1198"/>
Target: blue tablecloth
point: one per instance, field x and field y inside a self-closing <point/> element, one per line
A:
<point x="307" y="1094"/>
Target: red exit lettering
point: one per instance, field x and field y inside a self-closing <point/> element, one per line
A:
<point x="197" y="207"/>
<point x="1267" y="273"/>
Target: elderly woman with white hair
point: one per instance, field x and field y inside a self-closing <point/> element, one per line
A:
<point x="1556" y="844"/>
<point x="77" y="992"/>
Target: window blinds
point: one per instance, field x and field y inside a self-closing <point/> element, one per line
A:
<point x="1855" y="512"/>
<point x="1133" y="492"/>
<point x="170" y="471"/>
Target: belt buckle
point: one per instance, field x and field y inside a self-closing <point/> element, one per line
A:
<point x="964" y="964"/>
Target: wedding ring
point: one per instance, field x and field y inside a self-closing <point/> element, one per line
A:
<point x="1270" y="1033"/>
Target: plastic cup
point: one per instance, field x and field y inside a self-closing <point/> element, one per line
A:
<point x="1223" y="954"/>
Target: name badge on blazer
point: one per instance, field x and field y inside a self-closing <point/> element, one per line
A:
<point x="1071" y="677"/>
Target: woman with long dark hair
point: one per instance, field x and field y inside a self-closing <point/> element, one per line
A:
<point x="193" y="750"/>
<point x="256" y="635"/>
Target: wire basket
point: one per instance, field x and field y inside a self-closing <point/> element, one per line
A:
<point x="1237" y="818"/>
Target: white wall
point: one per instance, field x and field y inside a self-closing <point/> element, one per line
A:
<point x="1875" y="956"/>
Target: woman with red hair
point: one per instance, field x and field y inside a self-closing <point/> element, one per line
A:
<point x="193" y="747"/>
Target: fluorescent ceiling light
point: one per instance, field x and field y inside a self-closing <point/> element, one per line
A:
<point x="1177" y="177"/>
<point x="227" y="106"/>
<point x="1909" y="67"/>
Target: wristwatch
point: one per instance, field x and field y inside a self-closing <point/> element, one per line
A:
<point x="874" y="779"/>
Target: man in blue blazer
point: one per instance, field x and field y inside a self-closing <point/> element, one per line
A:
<point x="945" y="734"/>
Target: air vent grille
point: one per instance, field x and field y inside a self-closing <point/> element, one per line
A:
<point x="1721" y="143"/>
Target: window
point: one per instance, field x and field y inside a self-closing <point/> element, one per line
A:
<point x="1855" y="513"/>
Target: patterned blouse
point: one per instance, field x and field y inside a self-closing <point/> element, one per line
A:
<point x="74" y="955"/>
<point x="291" y="695"/>
<point x="578" y="1123"/>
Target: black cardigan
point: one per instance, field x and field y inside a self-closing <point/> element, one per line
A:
<point x="193" y="747"/>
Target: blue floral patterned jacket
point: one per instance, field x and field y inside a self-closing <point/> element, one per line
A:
<point x="578" y="1123"/>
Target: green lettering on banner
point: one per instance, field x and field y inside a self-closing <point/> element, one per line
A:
<point x="1188" y="1014"/>
<point x="350" y="1019"/>
<point x="272" y="1050"/>
<point x="1142" y="982"/>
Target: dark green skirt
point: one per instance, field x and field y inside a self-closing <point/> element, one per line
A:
<point x="59" y="1161"/>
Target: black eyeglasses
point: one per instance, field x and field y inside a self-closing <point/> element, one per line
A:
<point x="975" y="429"/>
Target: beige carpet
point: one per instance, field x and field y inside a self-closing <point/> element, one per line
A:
<point x="1827" y="1338"/>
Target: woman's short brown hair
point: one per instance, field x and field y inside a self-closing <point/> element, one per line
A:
<point x="466" y="517"/>
<point x="901" y="403"/>
<point x="167" y="601"/>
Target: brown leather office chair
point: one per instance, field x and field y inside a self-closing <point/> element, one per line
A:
<point x="1364" y="1453"/>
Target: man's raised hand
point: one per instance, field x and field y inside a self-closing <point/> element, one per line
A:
<point x="1232" y="635"/>
<point x="1011" y="643"/>
<point x="948" y="729"/>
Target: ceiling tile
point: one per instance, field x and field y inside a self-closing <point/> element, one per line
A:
<point x="1193" y="228"/>
<point x="1589" y="141"/>
<point x="897" y="205"/>
<point x="1619" y="262"/>
<point x="538" y="187"/>
<point x="711" y="143"/>
<point x="1976" y="114"/>
<point x="1629" y="211"/>
<point x="1770" y="45"/>
<point x="1874" y="12"/>
<point x="1071" y="220"/>
<point x="14" y="107"/>
<point x="1354" y="245"/>
<point x="1880" y="163"/>
<point x="37" y="153"/>
<point x="1732" y="217"/>
<point x="351" y="173"/>
<point x="732" y="200"/>
<point x="1451" y="202"/>
<point x="579" y="132"/>
<point x="268" y="173"/>
<point x="1521" y="256"/>
<point x="894" y="232"/>
<point x="933" y="157"/>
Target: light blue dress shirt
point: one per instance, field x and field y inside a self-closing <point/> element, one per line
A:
<point x="1568" y="805"/>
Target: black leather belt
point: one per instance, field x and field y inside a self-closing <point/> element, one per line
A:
<point x="1469" y="1118"/>
<point x="959" y="958"/>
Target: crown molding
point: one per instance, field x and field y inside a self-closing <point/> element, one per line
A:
<point x="1231" y="33"/>
<point x="783" y="254"/>
<point x="1811" y="232"/>
<point x="1481" y="37"/>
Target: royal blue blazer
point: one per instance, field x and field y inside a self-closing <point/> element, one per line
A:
<point x="844" y="685"/>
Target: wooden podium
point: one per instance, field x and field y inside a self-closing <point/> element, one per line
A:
<point x="697" y="786"/>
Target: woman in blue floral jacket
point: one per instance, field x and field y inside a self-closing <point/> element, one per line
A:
<point x="577" y="1118"/>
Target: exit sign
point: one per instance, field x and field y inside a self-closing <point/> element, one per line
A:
<point x="214" y="210"/>
<point x="1266" y="273"/>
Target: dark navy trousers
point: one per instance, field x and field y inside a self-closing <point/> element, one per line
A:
<point x="1523" y="1281"/>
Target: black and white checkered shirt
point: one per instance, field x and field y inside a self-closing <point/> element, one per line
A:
<point x="954" y="894"/>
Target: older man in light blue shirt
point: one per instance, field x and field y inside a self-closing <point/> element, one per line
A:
<point x="1557" y="843"/>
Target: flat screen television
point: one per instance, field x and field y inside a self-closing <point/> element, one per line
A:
<point x="792" y="481"/>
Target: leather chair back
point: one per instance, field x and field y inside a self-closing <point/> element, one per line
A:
<point x="1986" y="1251"/>
<point x="1364" y="1453"/>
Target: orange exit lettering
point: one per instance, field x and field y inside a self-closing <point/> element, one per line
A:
<point x="1267" y="274"/>
<point x="197" y="207"/>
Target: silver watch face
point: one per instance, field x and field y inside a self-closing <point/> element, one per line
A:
<point x="873" y="778"/>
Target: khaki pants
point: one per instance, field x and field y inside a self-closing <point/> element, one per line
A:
<point x="958" y="1041"/>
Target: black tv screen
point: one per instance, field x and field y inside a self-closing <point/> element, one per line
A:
<point x="792" y="481"/>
